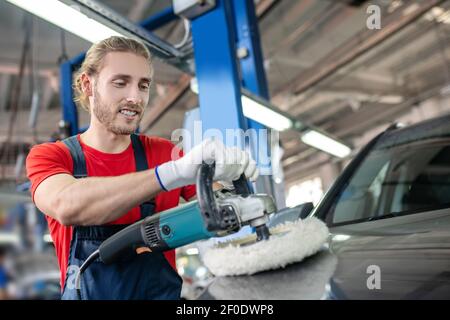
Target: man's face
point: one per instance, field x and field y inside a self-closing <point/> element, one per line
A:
<point x="121" y="92"/>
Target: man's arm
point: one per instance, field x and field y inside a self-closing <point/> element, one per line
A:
<point x="99" y="200"/>
<point x="94" y="200"/>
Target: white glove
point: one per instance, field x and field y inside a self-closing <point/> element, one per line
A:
<point x="230" y="164"/>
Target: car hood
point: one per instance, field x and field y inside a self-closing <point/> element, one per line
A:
<point x="406" y="257"/>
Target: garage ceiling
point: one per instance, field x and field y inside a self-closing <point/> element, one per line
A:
<point x="307" y="45"/>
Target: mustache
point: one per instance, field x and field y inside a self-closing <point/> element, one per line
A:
<point x="132" y="107"/>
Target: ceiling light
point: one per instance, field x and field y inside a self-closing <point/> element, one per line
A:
<point x="341" y="237"/>
<point x="67" y="17"/>
<point x="391" y="99"/>
<point x="444" y="18"/>
<point x="439" y="14"/>
<point x="261" y="111"/>
<point x="257" y="111"/>
<point x="437" y="11"/>
<point x="264" y="115"/>
<point x="320" y="141"/>
<point x="7" y="238"/>
<point x="192" y="251"/>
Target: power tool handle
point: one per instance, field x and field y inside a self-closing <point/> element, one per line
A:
<point x="125" y="240"/>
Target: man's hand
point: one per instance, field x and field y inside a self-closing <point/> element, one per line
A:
<point x="230" y="164"/>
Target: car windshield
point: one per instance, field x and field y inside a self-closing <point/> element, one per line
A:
<point x="407" y="171"/>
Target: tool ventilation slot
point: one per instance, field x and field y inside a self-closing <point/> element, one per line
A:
<point x="151" y="235"/>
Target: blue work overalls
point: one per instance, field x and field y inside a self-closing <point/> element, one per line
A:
<point x="134" y="276"/>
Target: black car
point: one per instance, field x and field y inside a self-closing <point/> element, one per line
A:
<point x="389" y="219"/>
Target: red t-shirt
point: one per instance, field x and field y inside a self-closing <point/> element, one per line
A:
<point x="48" y="159"/>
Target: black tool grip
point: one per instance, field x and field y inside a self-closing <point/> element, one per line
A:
<point x="216" y="218"/>
<point x="241" y="186"/>
<point x="205" y="196"/>
<point x="125" y="240"/>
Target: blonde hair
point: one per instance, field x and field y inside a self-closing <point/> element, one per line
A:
<point x="92" y="63"/>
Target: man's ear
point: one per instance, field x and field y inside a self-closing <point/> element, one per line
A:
<point x="87" y="84"/>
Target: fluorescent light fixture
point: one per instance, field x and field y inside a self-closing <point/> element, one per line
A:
<point x="437" y="11"/>
<point x="262" y="114"/>
<point x="445" y="18"/>
<point x="7" y="238"/>
<point x="391" y="99"/>
<point x="48" y="238"/>
<point x="341" y="237"/>
<point x="438" y="14"/>
<point x="67" y="17"/>
<point x="257" y="111"/>
<point x="320" y="141"/>
<point x="265" y="115"/>
<point x="192" y="251"/>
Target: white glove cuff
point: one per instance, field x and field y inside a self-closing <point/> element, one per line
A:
<point x="167" y="176"/>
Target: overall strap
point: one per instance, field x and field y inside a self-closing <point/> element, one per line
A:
<point x="79" y="163"/>
<point x="139" y="153"/>
<point x="148" y="207"/>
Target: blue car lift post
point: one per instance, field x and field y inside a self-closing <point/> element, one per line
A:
<point x="217" y="34"/>
<point x="69" y="125"/>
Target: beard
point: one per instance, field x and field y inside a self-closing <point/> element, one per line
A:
<point x="109" y="116"/>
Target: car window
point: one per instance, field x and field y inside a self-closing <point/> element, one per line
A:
<point x="395" y="180"/>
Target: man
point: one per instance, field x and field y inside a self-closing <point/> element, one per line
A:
<point x="88" y="186"/>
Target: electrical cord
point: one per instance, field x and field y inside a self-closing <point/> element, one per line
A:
<point x="83" y="267"/>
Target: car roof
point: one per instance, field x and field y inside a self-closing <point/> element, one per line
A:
<point x="433" y="128"/>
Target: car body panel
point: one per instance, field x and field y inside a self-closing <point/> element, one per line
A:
<point x="387" y="255"/>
